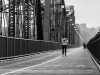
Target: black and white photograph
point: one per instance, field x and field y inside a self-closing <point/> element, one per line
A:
<point x="49" y="37"/>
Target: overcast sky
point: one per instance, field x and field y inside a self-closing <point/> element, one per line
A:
<point x="86" y="11"/>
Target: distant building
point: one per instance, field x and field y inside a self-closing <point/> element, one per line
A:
<point x="77" y="27"/>
<point x="82" y="26"/>
<point x="85" y="32"/>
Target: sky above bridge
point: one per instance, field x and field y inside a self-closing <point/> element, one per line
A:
<point x="86" y="11"/>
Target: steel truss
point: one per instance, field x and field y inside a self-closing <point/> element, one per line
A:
<point x="17" y="12"/>
<point x="11" y="27"/>
<point x="70" y="25"/>
<point x="20" y="18"/>
<point x="56" y="20"/>
<point x="24" y="19"/>
<point x="26" y="23"/>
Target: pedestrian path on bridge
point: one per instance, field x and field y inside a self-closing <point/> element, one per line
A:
<point x="77" y="62"/>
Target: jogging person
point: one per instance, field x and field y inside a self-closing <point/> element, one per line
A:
<point x="64" y="46"/>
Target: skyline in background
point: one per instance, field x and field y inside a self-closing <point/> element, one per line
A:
<point x="86" y="11"/>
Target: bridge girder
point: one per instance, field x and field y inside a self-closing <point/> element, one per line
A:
<point x="22" y="12"/>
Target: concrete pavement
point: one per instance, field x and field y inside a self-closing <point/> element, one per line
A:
<point x="77" y="62"/>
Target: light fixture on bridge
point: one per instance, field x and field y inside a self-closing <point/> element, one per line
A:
<point x="73" y="24"/>
<point x="62" y="6"/>
<point x="75" y="27"/>
<point x="70" y="19"/>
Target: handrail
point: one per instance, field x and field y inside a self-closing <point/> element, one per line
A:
<point x="94" y="38"/>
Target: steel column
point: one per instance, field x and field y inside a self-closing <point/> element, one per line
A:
<point x="46" y="20"/>
<point x="11" y="27"/>
<point x="39" y="20"/>
<point x="26" y="24"/>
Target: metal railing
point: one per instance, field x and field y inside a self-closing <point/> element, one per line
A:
<point x="94" y="47"/>
<point x="10" y="47"/>
<point x="16" y="47"/>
